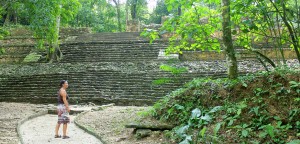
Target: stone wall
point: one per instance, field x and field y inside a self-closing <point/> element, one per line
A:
<point x="241" y="54"/>
<point x="21" y="42"/>
<point x="120" y="82"/>
<point x="104" y="68"/>
<point x="133" y="26"/>
<point x="151" y="26"/>
<point x="124" y="83"/>
<point x="15" y="53"/>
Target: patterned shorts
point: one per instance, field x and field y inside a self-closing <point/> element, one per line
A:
<point x="63" y="115"/>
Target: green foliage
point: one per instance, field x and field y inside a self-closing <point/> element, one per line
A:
<point x="159" y="11"/>
<point x="259" y="22"/>
<point x="152" y="34"/>
<point x="45" y="19"/>
<point x="32" y="57"/>
<point x="2" y="51"/>
<point x="10" y="10"/>
<point x="138" y="9"/>
<point x="175" y="72"/>
<point x="259" y="108"/>
<point x="197" y="119"/>
<point x="198" y="27"/>
<point x="99" y="15"/>
<point x="162" y="81"/>
<point x="294" y="142"/>
<point x="296" y="86"/>
<point x="192" y="28"/>
<point x="3" y="33"/>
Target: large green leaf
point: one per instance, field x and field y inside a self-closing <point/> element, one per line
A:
<point x="294" y="142"/>
<point x="182" y="130"/>
<point x="215" y="109"/>
<point x="196" y="113"/>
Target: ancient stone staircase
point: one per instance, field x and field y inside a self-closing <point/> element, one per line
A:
<point x="111" y="51"/>
<point x="109" y="37"/>
<point x="99" y="83"/>
<point x="114" y="67"/>
<point x="101" y="68"/>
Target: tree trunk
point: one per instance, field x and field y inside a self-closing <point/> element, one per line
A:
<point x="126" y="9"/>
<point x="117" y="3"/>
<point x="7" y="18"/>
<point x="133" y="9"/>
<point x="57" y="54"/>
<point x="292" y="33"/>
<point x="15" y="17"/>
<point x="227" y="40"/>
<point x="179" y="10"/>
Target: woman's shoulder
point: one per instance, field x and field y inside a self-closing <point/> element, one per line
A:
<point x="62" y="90"/>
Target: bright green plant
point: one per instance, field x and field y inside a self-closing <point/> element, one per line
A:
<point x="3" y="33"/>
<point x="233" y="112"/>
<point x="294" y="142"/>
<point x="150" y="33"/>
<point x="296" y="86"/>
<point x="251" y="116"/>
<point x="198" y="119"/>
<point x="32" y="57"/>
<point x="175" y="72"/>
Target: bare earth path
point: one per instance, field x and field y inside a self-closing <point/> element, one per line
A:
<point x="40" y="130"/>
<point x="10" y="115"/>
<point x="110" y="125"/>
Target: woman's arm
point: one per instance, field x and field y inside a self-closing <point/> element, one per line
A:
<point x="63" y="93"/>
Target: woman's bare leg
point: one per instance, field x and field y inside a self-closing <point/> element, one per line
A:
<point x="65" y="126"/>
<point x="57" y="128"/>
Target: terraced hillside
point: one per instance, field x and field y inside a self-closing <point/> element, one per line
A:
<point x="101" y="68"/>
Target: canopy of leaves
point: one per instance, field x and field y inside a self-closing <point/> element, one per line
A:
<point x="138" y="9"/>
<point x="98" y="14"/>
<point x="159" y="11"/>
<point x="254" y="22"/>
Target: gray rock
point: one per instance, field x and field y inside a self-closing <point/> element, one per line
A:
<point x="142" y="133"/>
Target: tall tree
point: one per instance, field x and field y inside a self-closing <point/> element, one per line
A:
<point x="100" y="15"/>
<point x="197" y="28"/>
<point x="133" y="8"/>
<point x="138" y="8"/>
<point x="10" y="9"/>
<point x="117" y="3"/>
<point x="270" y="22"/>
<point x="159" y="11"/>
<point x="45" y="21"/>
<point x="283" y="11"/>
<point x="227" y="40"/>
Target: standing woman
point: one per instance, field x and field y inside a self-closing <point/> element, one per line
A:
<point x="62" y="110"/>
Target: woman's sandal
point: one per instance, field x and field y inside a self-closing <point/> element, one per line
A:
<point x="65" y="137"/>
<point x="57" y="136"/>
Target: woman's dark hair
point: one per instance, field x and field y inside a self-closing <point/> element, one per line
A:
<point x="62" y="83"/>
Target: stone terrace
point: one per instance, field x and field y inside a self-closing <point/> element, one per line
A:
<point x="102" y="68"/>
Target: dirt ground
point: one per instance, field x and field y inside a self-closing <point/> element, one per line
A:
<point x="40" y="130"/>
<point x="110" y="125"/>
<point x="10" y="115"/>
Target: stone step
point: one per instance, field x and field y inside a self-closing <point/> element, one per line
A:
<point x="100" y="87"/>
